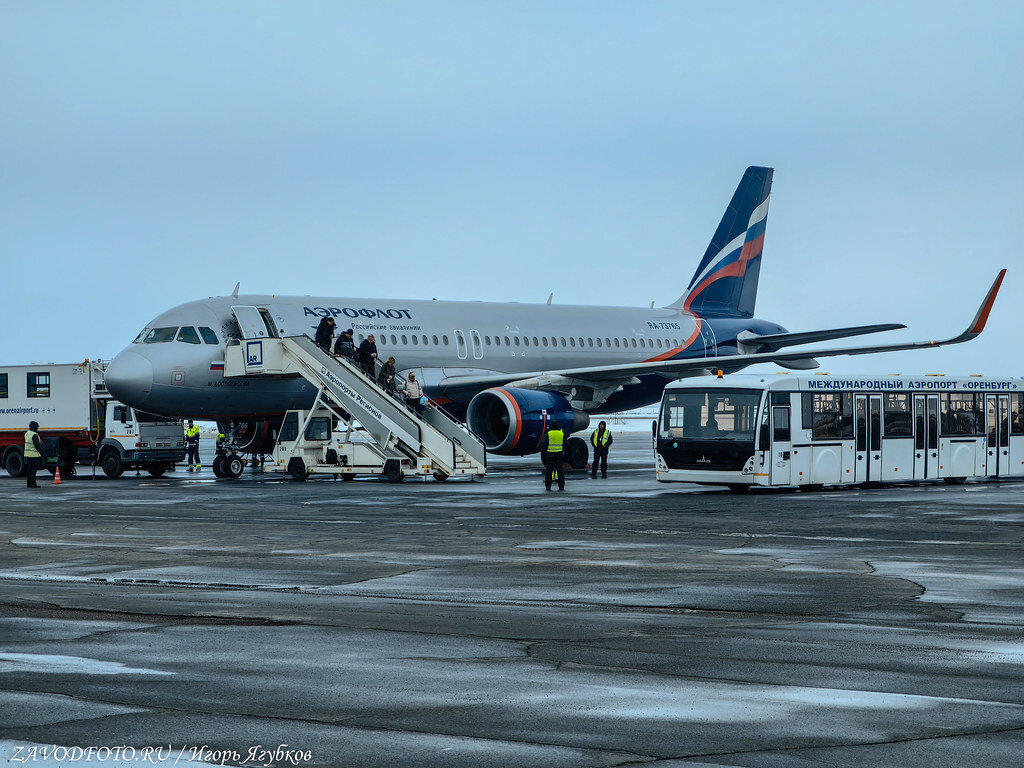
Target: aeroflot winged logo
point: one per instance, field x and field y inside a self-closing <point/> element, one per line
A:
<point x="392" y="313"/>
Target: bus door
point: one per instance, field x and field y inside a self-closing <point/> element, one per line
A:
<point x="867" y="419"/>
<point x="782" y="446"/>
<point x="926" y="436"/>
<point x="997" y="414"/>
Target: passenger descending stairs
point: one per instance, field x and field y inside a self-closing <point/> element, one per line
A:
<point x="434" y="435"/>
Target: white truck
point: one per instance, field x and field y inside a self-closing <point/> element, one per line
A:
<point x="80" y="423"/>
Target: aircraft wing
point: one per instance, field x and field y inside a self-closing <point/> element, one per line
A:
<point x="776" y="341"/>
<point x="460" y="387"/>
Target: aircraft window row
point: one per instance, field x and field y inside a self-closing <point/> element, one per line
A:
<point x="497" y="341"/>
<point x="579" y="341"/>
<point x="186" y="334"/>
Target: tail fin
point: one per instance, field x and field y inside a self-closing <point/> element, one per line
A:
<point x="725" y="283"/>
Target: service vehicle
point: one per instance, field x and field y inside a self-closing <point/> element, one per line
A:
<point x="80" y="422"/>
<point x="821" y="429"/>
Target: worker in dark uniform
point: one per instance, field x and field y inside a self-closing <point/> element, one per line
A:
<point x="552" y="447"/>
<point x="601" y="439"/>
<point x="192" y="447"/>
<point x="344" y="346"/>
<point x="33" y="452"/>
<point x="368" y="356"/>
<point x="324" y="334"/>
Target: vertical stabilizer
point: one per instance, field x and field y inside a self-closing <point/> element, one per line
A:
<point x="725" y="283"/>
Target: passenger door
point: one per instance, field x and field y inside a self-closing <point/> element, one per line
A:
<point x="868" y="436"/>
<point x="252" y="323"/>
<point x="782" y="446"/>
<point x="997" y="415"/>
<point x="926" y="436"/>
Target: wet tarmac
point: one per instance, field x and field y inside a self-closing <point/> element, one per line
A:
<point x="490" y="623"/>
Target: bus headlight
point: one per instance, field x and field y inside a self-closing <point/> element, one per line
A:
<point x="748" y="468"/>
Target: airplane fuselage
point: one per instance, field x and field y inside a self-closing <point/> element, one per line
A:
<point x="439" y="340"/>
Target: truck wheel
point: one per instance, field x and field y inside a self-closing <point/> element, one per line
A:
<point x="577" y="454"/>
<point x="218" y="465"/>
<point x="232" y="466"/>
<point x="440" y="476"/>
<point x="158" y="469"/>
<point x="297" y="469"/>
<point x="112" y="464"/>
<point x="14" y="463"/>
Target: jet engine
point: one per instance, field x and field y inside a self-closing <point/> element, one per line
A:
<point x="512" y="421"/>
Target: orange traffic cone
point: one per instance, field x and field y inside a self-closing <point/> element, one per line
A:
<point x="56" y="478"/>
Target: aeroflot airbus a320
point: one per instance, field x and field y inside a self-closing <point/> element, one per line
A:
<point x="506" y="369"/>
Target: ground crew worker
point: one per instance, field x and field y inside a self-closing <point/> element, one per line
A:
<point x="192" y="447"/>
<point x="552" y="447"/>
<point x="33" y="453"/>
<point x="601" y="439"/>
<point x="222" y="443"/>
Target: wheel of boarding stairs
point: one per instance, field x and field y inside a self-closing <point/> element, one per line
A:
<point x="392" y="471"/>
<point x="14" y="462"/>
<point x="158" y="469"/>
<point x="233" y="466"/>
<point x="218" y="465"/>
<point x="577" y="454"/>
<point x="440" y="476"/>
<point x="297" y="469"/>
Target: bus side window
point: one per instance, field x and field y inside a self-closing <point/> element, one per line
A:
<point x="764" y="434"/>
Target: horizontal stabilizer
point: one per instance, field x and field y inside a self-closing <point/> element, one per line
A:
<point x="779" y="340"/>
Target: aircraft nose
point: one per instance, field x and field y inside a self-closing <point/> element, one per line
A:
<point x="129" y="378"/>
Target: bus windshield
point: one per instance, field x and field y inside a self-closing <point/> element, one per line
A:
<point x="711" y="414"/>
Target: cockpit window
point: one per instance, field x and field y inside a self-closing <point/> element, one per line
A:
<point x="142" y="333"/>
<point x="160" y="335"/>
<point x="188" y="335"/>
<point x="208" y="335"/>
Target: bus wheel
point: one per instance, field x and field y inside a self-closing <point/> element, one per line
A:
<point x="812" y="487"/>
<point x="577" y="454"/>
<point x="112" y="464"/>
<point x="14" y="463"/>
<point x="738" y="487"/>
<point x="158" y="469"/>
<point x="233" y="465"/>
<point x="954" y="480"/>
<point x="297" y="469"/>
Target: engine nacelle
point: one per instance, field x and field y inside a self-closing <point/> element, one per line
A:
<point x="513" y="421"/>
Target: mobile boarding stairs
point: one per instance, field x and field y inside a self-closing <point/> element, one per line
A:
<point x="400" y="441"/>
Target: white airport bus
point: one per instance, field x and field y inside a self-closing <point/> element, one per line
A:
<point x="816" y="430"/>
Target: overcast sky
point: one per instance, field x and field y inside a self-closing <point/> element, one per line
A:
<point x="155" y="153"/>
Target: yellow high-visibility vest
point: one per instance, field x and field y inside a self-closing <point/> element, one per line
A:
<point x="605" y="437"/>
<point x="31" y="452"/>
<point x="556" y="438"/>
<point x="192" y="431"/>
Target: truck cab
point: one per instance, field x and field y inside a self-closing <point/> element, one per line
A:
<point x="135" y="439"/>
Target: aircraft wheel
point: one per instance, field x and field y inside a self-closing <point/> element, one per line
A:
<point x="440" y="476"/>
<point x="232" y="466"/>
<point x="14" y="463"/>
<point x="297" y="469"/>
<point x="218" y="465"/>
<point x="158" y="469"/>
<point x="577" y="454"/>
<point x="112" y="465"/>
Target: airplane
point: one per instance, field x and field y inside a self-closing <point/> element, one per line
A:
<point x="505" y="369"/>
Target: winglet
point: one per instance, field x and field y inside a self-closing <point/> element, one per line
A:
<point x="978" y="324"/>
